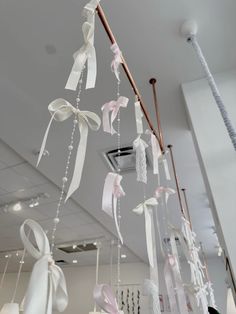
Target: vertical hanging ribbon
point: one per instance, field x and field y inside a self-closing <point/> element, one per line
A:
<point x="169" y="284"/>
<point x="166" y="169"/>
<point x="10" y="308"/>
<point x="215" y="91"/>
<point x="139" y="147"/>
<point x="150" y="288"/>
<point x="47" y="287"/>
<point x="156" y="151"/>
<point x="86" y="53"/>
<point x="114" y="107"/>
<point x="145" y="208"/>
<point x="111" y="192"/>
<point x="117" y="60"/>
<point x="138" y="117"/>
<point x="105" y="298"/>
<point x="61" y="110"/>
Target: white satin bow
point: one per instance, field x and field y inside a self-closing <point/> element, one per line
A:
<point x="152" y="289"/>
<point x="145" y="208"/>
<point x="111" y="192"/>
<point x="116" y="61"/>
<point x="61" y="110"/>
<point x="47" y="287"/>
<point x="86" y="53"/>
<point x="114" y="107"/>
<point x="139" y="147"/>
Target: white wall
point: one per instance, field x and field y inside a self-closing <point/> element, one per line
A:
<point x="80" y="282"/>
<point x="216" y="153"/>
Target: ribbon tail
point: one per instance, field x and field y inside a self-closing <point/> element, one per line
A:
<point x="76" y="71"/>
<point x="148" y="230"/>
<point x="79" y="162"/>
<point x="170" y="288"/>
<point x="92" y="69"/>
<point x="166" y="169"/>
<point x="116" y="220"/>
<point x="45" y="139"/>
<point x="156" y="153"/>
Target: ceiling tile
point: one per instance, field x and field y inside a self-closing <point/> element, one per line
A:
<point x="49" y="209"/>
<point x="76" y="220"/>
<point x="8" y="156"/>
<point x="11" y="181"/>
<point x="29" y="172"/>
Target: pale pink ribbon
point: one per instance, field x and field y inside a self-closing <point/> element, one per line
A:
<point x="86" y="53"/>
<point x="164" y="190"/>
<point x="116" y="61"/>
<point x="104" y="297"/>
<point x="111" y="192"/>
<point x="156" y="151"/>
<point x="113" y="107"/>
<point x="47" y="287"/>
<point x="146" y="209"/>
<point x="61" y="110"/>
<point x="139" y="147"/>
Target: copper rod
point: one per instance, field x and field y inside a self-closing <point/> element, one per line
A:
<point x="112" y="38"/>
<point x="153" y="81"/>
<point x="187" y="208"/>
<point x="176" y="180"/>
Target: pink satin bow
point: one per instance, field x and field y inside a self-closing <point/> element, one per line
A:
<point x="114" y="107"/>
<point x="117" y="60"/>
<point x="104" y="297"/>
<point x="111" y="192"/>
<point x="164" y="190"/>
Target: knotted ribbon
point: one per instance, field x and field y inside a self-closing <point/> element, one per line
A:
<point x="139" y="147"/>
<point x="145" y="208"/>
<point x="114" y="107"/>
<point x="138" y="117"/>
<point x="61" y="110"/>
<point x="86" y="53"/>
<point x="111" y="192"/>
<point x="156" y="151"/>
<point x="151" y="289"/>
<point x="105" y="298"/>
<point x="47" y="287"/>
<point x="117" y="60"/>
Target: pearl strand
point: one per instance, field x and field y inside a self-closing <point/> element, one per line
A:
<point x="56" y="219"/>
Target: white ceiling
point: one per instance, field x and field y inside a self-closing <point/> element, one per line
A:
<point x="148" y="35"/>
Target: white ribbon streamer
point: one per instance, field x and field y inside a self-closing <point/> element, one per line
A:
<point x="86" y="53"/>
<point x="61" y="110"/>
<point x="111" y="192"/>
<point x="166" y="169"/>
<point x="138" y="117"/>
<point x="116" y="61"/>
<point x="150" y="288"/>
<point x="156" y="152"/>
<point x="47" y="287"/>
<point x="139" y="147"/>
<point x="170" y="285"/>
<point x="145" y="208"/>
<point x="114" y="107"/>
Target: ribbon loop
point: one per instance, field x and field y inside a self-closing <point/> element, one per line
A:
<point x="105" y="298"/>
<point x="47" y="287"/>
<point x="114" y="107"/>
<point x="111" y="192"/>
<point x="144" y="208"/>
<point x="117" y="60"/>
<point x="139" y="147"/>
<point x="61" y="110"/>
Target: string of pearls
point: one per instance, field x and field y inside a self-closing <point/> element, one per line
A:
<point x="118" y="201"/>
<point x="56" y="219"/>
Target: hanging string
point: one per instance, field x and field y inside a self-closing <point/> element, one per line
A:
<point x="56" y="219"/>
<point x="5" y="270"/>
<point x="97" y="269"/>
<point x="22" y="260"/>
<point x="215" y="91"/>
<point x="111" y="263"/>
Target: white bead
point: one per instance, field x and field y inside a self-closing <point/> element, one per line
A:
<point x="78" y="99"/>
<point x="64" y="179"/>
<point x="119" y="246"/>
<point x="70" y="147"/>
<point x="53" y="237"/>
<point x="119" y="216"/>
<point x="56" y="220"/>
<point x="75" y="121"/>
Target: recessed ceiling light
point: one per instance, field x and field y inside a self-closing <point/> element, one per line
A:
<point x="74" y="246"/>
<point x="75" y="261"/>
<point x="22" y="262"/>
<point x="17" y="207"/>
<point x="123" y="256"/>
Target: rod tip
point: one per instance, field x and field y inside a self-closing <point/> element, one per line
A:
<point x="152" y="81"/>
<point x="169" y="146"/>
<point x="189" y="28"/>
<point x="183" y="189"/>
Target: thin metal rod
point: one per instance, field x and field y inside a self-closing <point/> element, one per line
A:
<point x="187" y="207"/>
<point x="176" y="180"/>
<point x="112" y="38"/>
<point x="153" y="81"/>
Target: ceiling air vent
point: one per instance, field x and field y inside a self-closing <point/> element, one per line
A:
<point x="77" y="248"/>
<point x="125" y="162"/>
